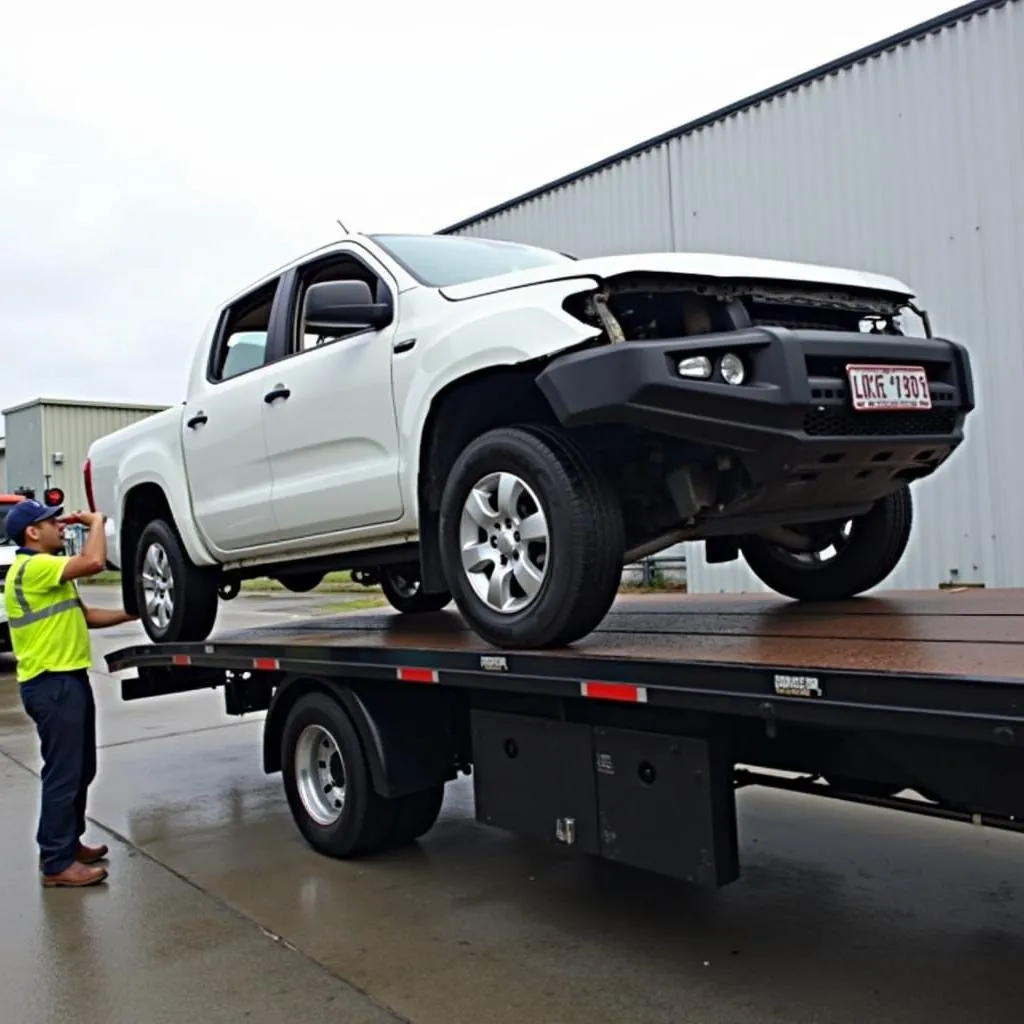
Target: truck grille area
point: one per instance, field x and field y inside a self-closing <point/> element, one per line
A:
<point x="840" y="422"/>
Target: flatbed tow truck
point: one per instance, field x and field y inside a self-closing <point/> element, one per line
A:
<point x="631" y="744"/>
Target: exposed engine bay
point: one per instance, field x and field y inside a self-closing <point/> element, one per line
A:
<point x="641" y="307"/>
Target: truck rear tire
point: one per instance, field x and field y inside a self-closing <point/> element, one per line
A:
<point x="415" y="815"/>
<point x="177" y="600"/>
<point x="327" y="781"/>
<point x="531" y="539"/>
<point x="872" y="550"/>
<point x="401" y="586"/>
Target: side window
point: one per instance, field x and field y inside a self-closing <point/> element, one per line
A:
<point x="337" y="268"/>
<point x="241" y="343"/>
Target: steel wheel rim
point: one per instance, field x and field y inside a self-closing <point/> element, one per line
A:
<point x="320" y="775"/>
<point x="505" y="542"/>
<point x="158" y="586"/>
<point x="403" y="585"/>
<point x="840" y="538"/>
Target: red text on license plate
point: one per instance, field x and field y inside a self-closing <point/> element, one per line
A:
<point x="888" y="387"/>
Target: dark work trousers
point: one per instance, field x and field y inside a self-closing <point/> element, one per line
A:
<point x="62" y="706"/>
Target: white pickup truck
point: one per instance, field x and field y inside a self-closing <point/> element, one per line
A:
<point x="506" y="426"/>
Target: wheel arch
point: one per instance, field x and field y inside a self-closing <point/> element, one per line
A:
<point x="145" y="500"/>
<point x="407" y="734"/>
<point x="462" y="410"/>
<point x="143" y="503"/>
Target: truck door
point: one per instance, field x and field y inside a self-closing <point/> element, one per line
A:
<point x="331" y="432"/>
<point x="222" y="430"/>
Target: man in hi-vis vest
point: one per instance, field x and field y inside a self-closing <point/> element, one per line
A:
<point x="50" y="635"/>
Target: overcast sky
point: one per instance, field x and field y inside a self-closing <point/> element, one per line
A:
<point x="154" y="163"/>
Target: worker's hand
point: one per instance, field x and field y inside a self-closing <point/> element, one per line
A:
<point x="90" y="519"/>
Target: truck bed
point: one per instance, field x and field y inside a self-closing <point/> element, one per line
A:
<point x="967" y="633"/>
<point x="947" y="663"/>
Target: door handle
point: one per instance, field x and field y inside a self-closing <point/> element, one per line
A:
<point x="279" y="391"/>
<point x="197" y="421"/>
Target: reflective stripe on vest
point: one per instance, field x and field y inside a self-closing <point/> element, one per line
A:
<point x="29" y="617"/>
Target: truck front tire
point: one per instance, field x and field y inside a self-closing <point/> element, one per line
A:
<point x="863" y="559"/>
<point x="531" y="537"/>
<point x="177" y="601"/>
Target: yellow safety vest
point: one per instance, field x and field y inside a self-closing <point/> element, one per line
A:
<point x="48" y="628"/>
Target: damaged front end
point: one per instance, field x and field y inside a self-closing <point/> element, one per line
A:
<point x="725" y="407"/>
<point x="657" y="306"/>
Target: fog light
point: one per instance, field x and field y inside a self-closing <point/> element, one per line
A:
<point x="695" y="366"/>
<point x="732" y="369"/>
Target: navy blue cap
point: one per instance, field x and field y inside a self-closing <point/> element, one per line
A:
<point x="25" y="514"/>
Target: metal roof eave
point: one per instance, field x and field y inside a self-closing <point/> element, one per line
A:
<point x="909" y="35"/>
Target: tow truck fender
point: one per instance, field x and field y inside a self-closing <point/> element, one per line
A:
<point x="407" y="732"/>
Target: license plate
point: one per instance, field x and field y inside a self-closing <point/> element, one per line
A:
<point x="887" y="388"/>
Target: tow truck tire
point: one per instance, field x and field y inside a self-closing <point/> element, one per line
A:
<point x="579" y="559"/>
<point x="415" y="816"/>
<point x="875" y="546"/>
<point x="190" y="592"/>
<point x="401" y="586"/>
<point x="320" y="753"/>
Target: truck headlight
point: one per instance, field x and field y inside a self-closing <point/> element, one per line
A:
<point x="732" y="369"/>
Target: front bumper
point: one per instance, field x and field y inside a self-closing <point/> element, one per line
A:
<point x="791" y="425"/>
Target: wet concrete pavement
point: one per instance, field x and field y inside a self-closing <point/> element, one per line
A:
<point x="842" y="914"/>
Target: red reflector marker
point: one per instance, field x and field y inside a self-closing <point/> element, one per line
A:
<point x="265" y="664"/>
<point x="615" y="691"/>
<point x="417" y="675"/>
<point x="182" y="659"/>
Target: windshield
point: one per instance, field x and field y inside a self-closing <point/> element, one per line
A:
<point x="440" y="260"/>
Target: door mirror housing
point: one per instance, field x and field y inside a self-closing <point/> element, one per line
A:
<point x="333" y="305"/>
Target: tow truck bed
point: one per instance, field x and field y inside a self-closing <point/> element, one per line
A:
<point x="866" y="700"/>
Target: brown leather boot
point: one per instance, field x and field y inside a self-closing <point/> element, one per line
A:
<point x="86" y="854"/>
<point x="90" y="854"/>
<point x="74" y="877"/>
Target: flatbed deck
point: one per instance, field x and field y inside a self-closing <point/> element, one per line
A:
<point x="901" y="652"/>
<point x="865" y="699"/>
<point x="966" y="633"/>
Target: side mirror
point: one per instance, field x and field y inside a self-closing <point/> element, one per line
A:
<point x="338" y="304"/>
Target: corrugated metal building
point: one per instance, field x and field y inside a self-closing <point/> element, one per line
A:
<point x="905" y="158"/>
<point x="47" y="440"/>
